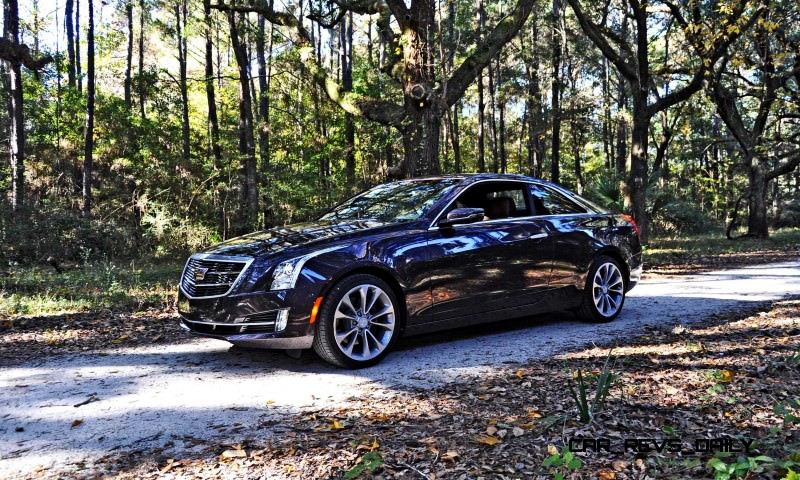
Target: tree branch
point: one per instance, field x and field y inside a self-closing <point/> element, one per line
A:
<point x="787" y="167"/>
<point x="381" y="111"/>
<point x="21" y="55"/>
<point x="593" y="31"/>
<point x="506" y="29"/>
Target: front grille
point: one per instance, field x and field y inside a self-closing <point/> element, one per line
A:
<point x="205" y="277"/>
<point x="263" y="322"/>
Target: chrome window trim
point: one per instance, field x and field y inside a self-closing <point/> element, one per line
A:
<point x="216" y="258"/>
<point x="433" y="225"/>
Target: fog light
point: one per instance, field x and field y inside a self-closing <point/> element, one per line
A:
<point x="282" y="319"/>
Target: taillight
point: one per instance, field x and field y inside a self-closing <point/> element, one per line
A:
<point x="630" y="220"/>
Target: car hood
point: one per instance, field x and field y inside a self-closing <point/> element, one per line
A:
<point x="278" y="239"/>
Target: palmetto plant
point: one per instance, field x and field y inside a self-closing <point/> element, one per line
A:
<point x="588" y="409"/>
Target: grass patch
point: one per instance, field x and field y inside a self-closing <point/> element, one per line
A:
<point x="713" y="249"/>
<point x="97" y="285"/>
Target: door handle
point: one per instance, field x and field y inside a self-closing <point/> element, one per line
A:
<point x="537" y="236"/>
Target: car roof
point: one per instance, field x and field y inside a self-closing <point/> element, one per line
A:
<point x="469" y="178"/>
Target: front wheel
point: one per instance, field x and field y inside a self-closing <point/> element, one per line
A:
<point x="358" y="322"/>
<point x="604" y="293"/>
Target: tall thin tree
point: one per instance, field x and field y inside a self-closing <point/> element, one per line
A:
<point x="16" y="132"/>
<point x="181" y="15"/>
<point x="141" y="81"/>
<point x="78" y="74"/>
<point x="70" y="32"/>
<point x="129" y="56"/>
<point x="248" y="184"/>
<point x="88" y="149"/>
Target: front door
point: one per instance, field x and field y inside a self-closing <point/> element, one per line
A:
<point x="501" y="263"/>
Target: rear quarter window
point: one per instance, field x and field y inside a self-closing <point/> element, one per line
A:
<point x="548" y="201"/>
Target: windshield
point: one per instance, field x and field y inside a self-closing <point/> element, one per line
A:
<point x="395" y="202"/>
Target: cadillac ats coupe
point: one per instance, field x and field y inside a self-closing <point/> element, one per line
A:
<point x="412" y="257"/>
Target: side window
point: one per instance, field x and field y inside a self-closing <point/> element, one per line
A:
<point x="498" y="200"/>
<point x="517" y="196"/>
<point x="547" y="201"/>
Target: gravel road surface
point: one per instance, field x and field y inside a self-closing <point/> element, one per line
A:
<point x="163" y="397"/>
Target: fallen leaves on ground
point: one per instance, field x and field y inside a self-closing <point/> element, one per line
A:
<point x="38" y="337"/>
<point x="664" y="390"/>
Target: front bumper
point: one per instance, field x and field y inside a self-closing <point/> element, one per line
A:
<point x="250" y="319"/>
<point x="253" y="340"/>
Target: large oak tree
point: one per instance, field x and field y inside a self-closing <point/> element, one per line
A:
<point x="426" y="96"/>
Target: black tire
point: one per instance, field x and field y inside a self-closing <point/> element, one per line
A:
<point x="589" y="309"/>
<point x="325" y="343"/>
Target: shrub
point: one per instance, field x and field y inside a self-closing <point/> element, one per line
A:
<point x="51" y="230"/>
<point x="678" y="217"/>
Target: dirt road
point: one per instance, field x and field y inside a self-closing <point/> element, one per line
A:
<point x="173" y="397"/>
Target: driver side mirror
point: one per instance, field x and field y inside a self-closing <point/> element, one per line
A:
<point x="461" y="216"/>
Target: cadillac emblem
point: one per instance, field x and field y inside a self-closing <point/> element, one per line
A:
<point x="200" y="274"/>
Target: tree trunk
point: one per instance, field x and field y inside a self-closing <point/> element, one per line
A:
<point x="78" y="75"/>
<point x="141" y="60"/>
<point x="68" y="12"/>
<point x="180" y="24"/>
<point x="622" y="128"/>
<point x="607" y="139"/>
<point x="455" y="137"/>
<point x="481" y="103"/>
<point x="577" y="140"/>
<point x="493" y="119"/>
<point x="555" y="150"/>
<point x="635" y="188"/>
<point x="213" y="122"/>
<point x="421" y="142"/>
<point x="536" y="147"/>
<point x="88" y="149"/>
<point x="129" y="58"/>
<point x="263" y="95"/>
<point x="211" y="99"/>
<point x="502" y="126"/>
<point x="757" y="217"/>
<point x="248" y="195"/>
<point x="16" y="132"/>
<point x="346" y="50"/>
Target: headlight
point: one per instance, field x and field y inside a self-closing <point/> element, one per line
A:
<point x="286" y="273"/>
<point x="284" y="276"/>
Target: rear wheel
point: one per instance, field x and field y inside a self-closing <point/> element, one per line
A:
<point x="358" y="322"/>
<point x="604" y="293"/>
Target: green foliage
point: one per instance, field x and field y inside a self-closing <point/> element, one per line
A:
<point x="561" y="464"/>
<point x="94" y="284"/>
<point x="741" y="467"/>
<point x="369" y="463"/>
<point x="151" y="200"/>
<point x="680" y="217"/>
<point x="588" y="409"/>
<point x="788" y="411"/>
<point x="789" y="214"/>
<point x="34" y="235"/>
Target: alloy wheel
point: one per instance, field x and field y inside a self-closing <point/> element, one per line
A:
<point x="364" y="322"/>
<point x="608" y="289"/>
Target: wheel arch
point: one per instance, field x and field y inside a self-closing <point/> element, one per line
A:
<point x="616" y="254"/>
<point x="377" y="271"/>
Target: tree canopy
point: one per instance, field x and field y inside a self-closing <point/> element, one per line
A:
<point x="144" y="126"/>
